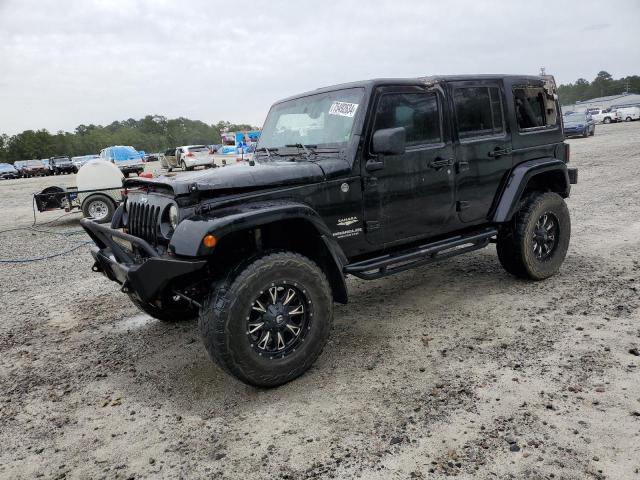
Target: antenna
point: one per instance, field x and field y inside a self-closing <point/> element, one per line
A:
<point x="542" y="71"/>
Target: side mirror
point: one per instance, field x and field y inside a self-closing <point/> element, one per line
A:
<point x="389" y="141"/>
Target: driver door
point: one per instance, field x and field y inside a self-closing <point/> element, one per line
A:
<point x="412" y="194"/>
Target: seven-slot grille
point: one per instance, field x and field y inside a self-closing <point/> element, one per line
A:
<point x="143" y="221"/>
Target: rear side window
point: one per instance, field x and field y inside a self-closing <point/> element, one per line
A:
<point x="534" y="108"/>
<point x="418" y="113"/>
<point x="479" y="111"/>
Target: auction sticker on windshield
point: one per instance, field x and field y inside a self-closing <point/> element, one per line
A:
<point x="343" y="109"/>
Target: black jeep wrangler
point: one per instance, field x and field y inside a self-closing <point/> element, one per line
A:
<point x="60" y="165"/>
<point x="366" y="179"/>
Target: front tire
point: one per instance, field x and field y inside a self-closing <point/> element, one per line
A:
<point x="606" y="120"/>
<point x="268" y="322"/>
<point x="534" y="244"/>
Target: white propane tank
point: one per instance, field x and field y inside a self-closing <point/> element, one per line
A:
<point x="99" y="175"/>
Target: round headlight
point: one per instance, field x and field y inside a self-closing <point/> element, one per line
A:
<point x="173" y="216"/>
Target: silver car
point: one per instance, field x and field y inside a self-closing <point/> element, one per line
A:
<point x="190" y="156"/>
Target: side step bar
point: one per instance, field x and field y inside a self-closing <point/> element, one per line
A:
<point x="384" y="265"/>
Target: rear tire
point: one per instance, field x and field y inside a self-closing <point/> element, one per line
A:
<point x="167" y="314"/>
<point x="534" y="244"/>
<point x="253" y="332"/>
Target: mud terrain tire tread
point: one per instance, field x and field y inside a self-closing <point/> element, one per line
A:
<point x="513" y="246"/>
<point x="221" y="319"/>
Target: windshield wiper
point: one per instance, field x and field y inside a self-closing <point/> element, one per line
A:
<point x="308" y="149"/>
<point x="268" y="151"/>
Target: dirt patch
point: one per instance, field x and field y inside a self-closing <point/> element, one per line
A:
<point x="455" y="369"/>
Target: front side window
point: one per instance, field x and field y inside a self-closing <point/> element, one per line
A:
<point x="324" y="120"/>
<point x="479" y="111"/>
<point x="417" y="112"/>
<point x="534" y="108"/>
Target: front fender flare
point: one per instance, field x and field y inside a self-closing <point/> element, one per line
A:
<point x="517" y="183"/>
<point x="187" y="238"/>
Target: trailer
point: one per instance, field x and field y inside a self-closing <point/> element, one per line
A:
<point x="97" y="194"/>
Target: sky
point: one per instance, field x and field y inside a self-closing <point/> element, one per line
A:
<point x="64" y="62"/>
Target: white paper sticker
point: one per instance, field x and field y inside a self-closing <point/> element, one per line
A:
<point x="343" y="109"/>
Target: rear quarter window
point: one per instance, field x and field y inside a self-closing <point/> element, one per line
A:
<point x="535" y="109"/>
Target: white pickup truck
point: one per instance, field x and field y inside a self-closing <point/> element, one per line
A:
<point x="604" y="116"/>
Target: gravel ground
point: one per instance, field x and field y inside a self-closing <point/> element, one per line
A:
<point x="455" y="369"/>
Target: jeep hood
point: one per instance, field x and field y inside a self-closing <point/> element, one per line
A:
<point x="243" y="177"/>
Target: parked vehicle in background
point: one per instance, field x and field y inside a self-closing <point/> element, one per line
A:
<point x="168" y="159"/>
<point x="19" y="165"/>
<point x="152" y="157"/>
<point x="126" y="158"/>
<point x="45" y="162"/>
<point x="578" y="125"/>
<point x="36" y="168"/>
<point x="603" y="115"/>
<point x="62" y="165"/>
<point x="97" y="193"/>
<point x="628" y="114"/>
<point x="366" y="179"/>
<point x="81" y="160"/>
<point x="192" y="156"/>
<point x="8" y="172"/>
<point x="236" y="147"/>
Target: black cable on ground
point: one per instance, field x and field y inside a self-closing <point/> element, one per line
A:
<point x="46" y="257"/>
<point x="34" y="224"/>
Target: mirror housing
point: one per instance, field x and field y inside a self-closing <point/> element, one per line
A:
<point x="389" y="141"/>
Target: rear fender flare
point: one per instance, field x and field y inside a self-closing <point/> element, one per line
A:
<point x="521" y="176"/>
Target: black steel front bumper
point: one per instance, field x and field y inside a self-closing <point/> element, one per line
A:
<point x="148" y="278"/>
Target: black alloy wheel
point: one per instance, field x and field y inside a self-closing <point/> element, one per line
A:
<point x="279" y="320"/>
<point x="269" y="318"/>
<point x="545" y="236"/>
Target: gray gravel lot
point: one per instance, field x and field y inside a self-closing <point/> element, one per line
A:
<point x="454" y="369"/>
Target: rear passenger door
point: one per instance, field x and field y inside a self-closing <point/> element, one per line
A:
<point x="483" y="146"/>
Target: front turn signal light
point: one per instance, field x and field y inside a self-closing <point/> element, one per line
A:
<point x="209" y="241"/>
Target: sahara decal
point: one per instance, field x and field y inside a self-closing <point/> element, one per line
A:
<point x="345" y="222"/>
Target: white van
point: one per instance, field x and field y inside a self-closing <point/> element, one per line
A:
<point x="627" y="114"/>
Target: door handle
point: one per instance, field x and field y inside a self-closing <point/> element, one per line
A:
<point x="440" y="162"/>
<point x="373" y="165"/>
<point x="498" y="152"/>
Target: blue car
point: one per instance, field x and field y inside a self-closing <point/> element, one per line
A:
<point x="126" y="158"/>
<point x="579" y="125"/>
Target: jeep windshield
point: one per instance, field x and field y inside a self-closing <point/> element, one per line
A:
<point x="323" y="121"/>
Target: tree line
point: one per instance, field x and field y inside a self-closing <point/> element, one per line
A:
<point x="601" y="86"/>
<point x="155" y="133"/>
<point x="152" y="133"/>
